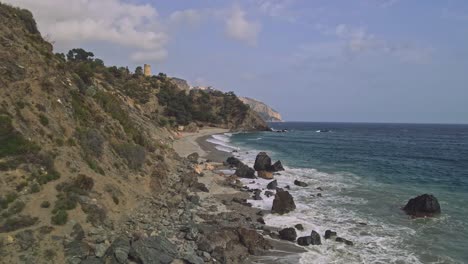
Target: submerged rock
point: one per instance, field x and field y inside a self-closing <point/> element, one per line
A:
<point x="342" y="240"/>
<point x="283" y="203"/>
<point x="244" y="171"/>
<point x="423" y="205"/>
<point x="300" y="183"/>
<point x="288" y="234"/>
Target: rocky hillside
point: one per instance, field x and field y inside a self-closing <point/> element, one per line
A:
<point x="267" y="113"/>
<point x="85" y="153"/>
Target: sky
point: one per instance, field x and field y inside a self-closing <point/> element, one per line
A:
<point x="402" y="61"/>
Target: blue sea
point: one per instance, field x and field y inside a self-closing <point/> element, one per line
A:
<point x="367" y="172"/>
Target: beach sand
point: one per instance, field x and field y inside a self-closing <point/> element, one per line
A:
<point x="191" y="142"/>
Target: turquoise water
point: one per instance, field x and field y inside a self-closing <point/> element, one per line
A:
<point x="368" y="172"/>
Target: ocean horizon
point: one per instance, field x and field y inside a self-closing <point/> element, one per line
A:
<point x="366" y="173"/>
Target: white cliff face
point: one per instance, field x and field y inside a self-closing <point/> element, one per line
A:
<point x="267" y="113"/>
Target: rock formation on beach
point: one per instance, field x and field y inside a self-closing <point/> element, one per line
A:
<point x="264" y="167"/>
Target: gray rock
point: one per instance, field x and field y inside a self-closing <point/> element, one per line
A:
<point x="154" y="250"/>
<point x="315" y="238"/>
<point x="92" y="260"/>
<point x="304" y="241"/>
<point x="272" y="185"/>
<point x="283" y="203"/>
<point x="269" y="193"/>
<point x="244" y="171"/>
<point x="300" y="183"/>
<point x="288" y="234"/>
<point x="423" y="205"/>
<point x="193" y="157"/>
<point x="342" y="240"/>
<point x="100" y="250"/>
<point x="299" y="227"/>
<point x="119" y="250"/>
<point x="263" y="162"/>
<point x="277" y="166"/>
<point x="257" y="195"/>
<point x="234" y="162"/>
<point x="329" y="234"/>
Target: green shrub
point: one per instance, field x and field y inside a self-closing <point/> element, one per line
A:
<point x="43" y="120"/>
<point x="17" y="222"/>
<point x="49" y="254"/>
<point x="92" y="142"/>
<point x="84" y="182"/>
<point x="135" y="155"/>
<point x="45" y="204"/>
<point x="65" y="202"/>
<point x="12" y="142"/>
<point x="60" y="217"/>
<point x="35" y="188"/>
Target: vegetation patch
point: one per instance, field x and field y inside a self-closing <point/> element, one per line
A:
<point x="17" y="222"/>
<point x="135" y="155"/>
<point x="12" y="142"/>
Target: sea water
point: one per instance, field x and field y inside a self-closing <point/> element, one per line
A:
<point x="367" y="172"/>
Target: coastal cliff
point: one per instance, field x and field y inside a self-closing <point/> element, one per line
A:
<point x="266" y="113"/>
<point x="88" y="172"/>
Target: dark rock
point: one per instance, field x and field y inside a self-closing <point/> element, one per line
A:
<point x="288" y="234"/>
<point x="277" y="166"/>
<point x="342" y="240"/>
<point x="253" y="241"/>
<point x="287" y="187"/>
<point x="319" y="188"/>
<point x="262" y="162"/>
<point x="261" y="220"/>
<point x="329" y="234"/>
<point x="234" y="162"/>
<point x="269" y="193"/>
<point x="300" y="183"/>
<point x="304" y="241"/>
<point x="272" y="185"/>
<point x="245" y="171"/>
<point x="283" y="203"/>
<point x="299" y="227"/>
<point x="92" y="260"/>
<point x="423" y="205"/>
<point x="155" y="250"/>
<point x="319" y="195"/>
<point x="193" y="157"/>
<point x="257" y="195"/>
<point x="315" y="238"/>
<point x="260" y="213"/>
<point x="202" y="187"/>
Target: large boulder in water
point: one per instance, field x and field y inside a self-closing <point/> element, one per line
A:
<point x="244" y="171"/>
<point x="262" y="162"/>
<point x="423" y="205"/>
<point x="277" y="166"/>
<point x="283" y="202"/>
<point x="272" y="185"/>
<point x="315" y="238"/>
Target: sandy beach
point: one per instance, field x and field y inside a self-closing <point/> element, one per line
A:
<point x="191" y="142"/>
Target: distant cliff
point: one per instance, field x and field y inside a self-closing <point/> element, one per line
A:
<point x="267" y="113"/>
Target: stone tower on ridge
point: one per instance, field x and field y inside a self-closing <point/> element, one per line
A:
<point x="147" y="70"/>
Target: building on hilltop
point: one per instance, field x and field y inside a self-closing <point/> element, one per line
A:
<point x="147" y="70"/>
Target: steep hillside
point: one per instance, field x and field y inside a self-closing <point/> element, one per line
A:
<point x="267" y="113"/>
<point x="84" y="147"/>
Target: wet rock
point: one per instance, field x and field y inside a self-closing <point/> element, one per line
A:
<point x="283" y="203"/>
<point x="253" y="241"/>
<point x="300" y="183"/>
<point x="329" y="234"/>
<point x="423" y="205"/>
<point x="288" y="234"/>
<point x="257" y="195"/>
<point x="157" y="250"/>
<point x="272" y="185"/>
<point x="319" y="195"/>
<point x="244" y="171"/>
<point x="342" y="240"/>
<point x="315" y="238"/>
<point x="277" y="166"/>
<point x="299" y="227"/>
<point x="265" y="174"/>
<point x="287" y="187"/>
<point x="319" y="188"/>
<point x="234" y="162"/>
<point x="193" y="157"/>
<point x="269" y="193"/>
<point x="304" y="241"/>
<point x="261" y="220"/>
<point x="263" y="162"/>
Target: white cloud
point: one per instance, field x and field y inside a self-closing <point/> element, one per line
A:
<point x="111" y="21"/>
<point x="145" y="56"/>
<point x="239" y="28"/>
<point x="276" y="8"/>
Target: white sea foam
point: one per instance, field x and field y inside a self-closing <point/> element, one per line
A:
<point x="221" y="142"/>
<point x="374" y="242"/>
